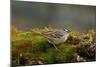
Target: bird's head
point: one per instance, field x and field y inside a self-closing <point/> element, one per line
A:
<point x="67" y="30"/>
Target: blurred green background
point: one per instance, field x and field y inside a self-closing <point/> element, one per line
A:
<point x="28" y="15"/>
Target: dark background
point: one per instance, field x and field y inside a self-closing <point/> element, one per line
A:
<point x="28" y="15"/>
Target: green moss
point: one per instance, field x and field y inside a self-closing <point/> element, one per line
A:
<point x="36" y="47"/>
<point x="49" y="56"/>
<point x="67" y="52"/>
<point x="38" y="41"/>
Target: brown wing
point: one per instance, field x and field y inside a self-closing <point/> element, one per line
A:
<point x="52" y="34"/>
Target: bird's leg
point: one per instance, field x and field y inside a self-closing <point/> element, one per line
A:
<point x="56" y="47"/>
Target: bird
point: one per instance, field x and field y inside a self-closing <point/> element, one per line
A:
<point x="56" y="36"/>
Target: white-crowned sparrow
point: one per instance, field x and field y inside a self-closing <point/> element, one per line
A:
<point x="56" y="36"/>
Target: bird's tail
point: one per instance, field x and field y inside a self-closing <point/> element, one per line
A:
<point x="38" y="33"/>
